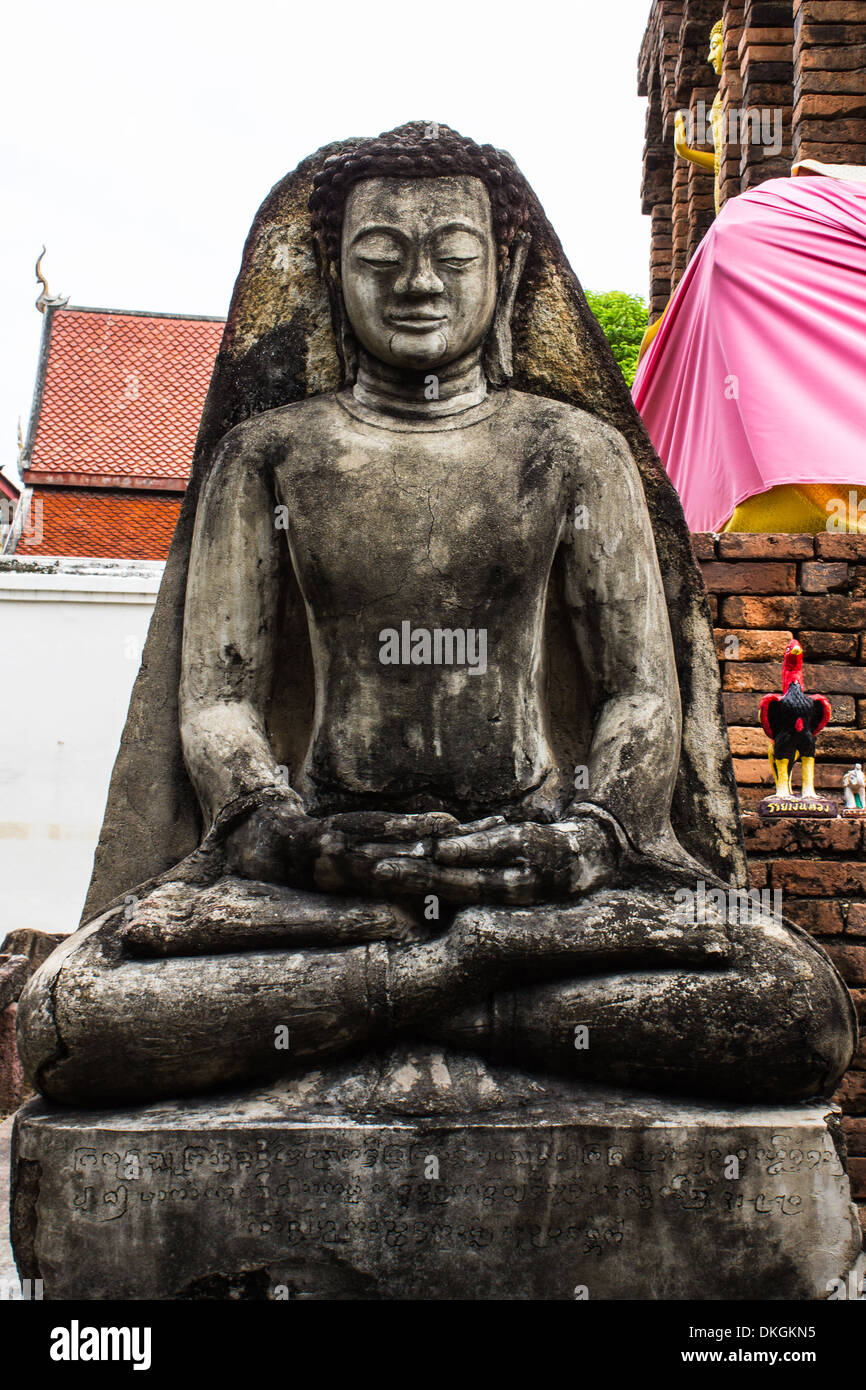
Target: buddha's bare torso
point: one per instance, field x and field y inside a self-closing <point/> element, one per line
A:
<point x="454" y="530"/>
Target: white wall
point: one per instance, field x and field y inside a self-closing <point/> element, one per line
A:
<point x="71" y="633"/>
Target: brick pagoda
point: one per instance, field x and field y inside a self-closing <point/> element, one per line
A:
<point x="805" y="59"/>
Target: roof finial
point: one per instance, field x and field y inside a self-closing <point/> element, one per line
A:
<point x="47" y="300"/>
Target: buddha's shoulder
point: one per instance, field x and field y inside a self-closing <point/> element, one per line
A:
<point x="285" y="423"/>
<point x="566" y="423"/>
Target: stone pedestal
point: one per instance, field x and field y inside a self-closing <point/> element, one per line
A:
<point x="423" y="1175"/>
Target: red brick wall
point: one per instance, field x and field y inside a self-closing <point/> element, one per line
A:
<point x="764" y="590"/>
<point x="829" y="120"/>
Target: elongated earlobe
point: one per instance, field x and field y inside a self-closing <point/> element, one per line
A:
<point x="347" y="344"/>
<point x="498" y="362"/>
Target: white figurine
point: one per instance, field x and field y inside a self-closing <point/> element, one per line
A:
<point x="854" y="784"/>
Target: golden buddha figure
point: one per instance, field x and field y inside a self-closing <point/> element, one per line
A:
<point x="711" y="163"/>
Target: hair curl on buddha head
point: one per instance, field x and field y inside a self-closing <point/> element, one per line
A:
<point x="418" y="150"/>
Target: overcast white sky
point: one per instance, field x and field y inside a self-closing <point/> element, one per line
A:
<point x="138" y="140"/>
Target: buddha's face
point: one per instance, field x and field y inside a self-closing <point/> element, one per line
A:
<point x="716" y="53"/>
<point x="419" y="268"/>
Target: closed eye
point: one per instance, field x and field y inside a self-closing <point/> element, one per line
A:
<point x="456" y="261"/>
<point x="380" y="262"/>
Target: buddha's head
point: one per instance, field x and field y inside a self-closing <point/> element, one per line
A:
<point x="422" y="235"/>
<point x="717" y="47"/>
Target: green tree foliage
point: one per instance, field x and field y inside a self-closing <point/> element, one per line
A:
<point x="624" y="318"/>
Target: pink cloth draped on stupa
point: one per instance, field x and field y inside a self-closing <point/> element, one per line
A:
<point x="757" y="375"/>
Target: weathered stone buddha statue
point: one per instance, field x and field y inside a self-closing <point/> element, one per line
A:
<point x="446" y="668"/>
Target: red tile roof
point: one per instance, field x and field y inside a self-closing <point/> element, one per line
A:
<point x="121" y="397"/>
<point x="102" y="522"/>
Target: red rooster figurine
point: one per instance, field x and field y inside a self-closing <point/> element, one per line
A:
<point x="792" y="720"/>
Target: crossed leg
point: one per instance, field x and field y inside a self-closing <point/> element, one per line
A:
<point x="749" y="1012"/>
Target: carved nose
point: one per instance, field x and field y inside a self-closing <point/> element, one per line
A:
<point x="420" y="279"/>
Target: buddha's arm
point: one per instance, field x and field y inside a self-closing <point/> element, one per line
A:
<point x="702" y="158"/>
<point x="229" y="628"/>
<point x="613" y="589"/>
<point x="229" y="641"/>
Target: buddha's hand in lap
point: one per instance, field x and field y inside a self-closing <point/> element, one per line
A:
<point x="387" y="856"/>
<point x="281" y="844"/>
<point x="275" y="843"/>
<point x="501" y="863"/>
